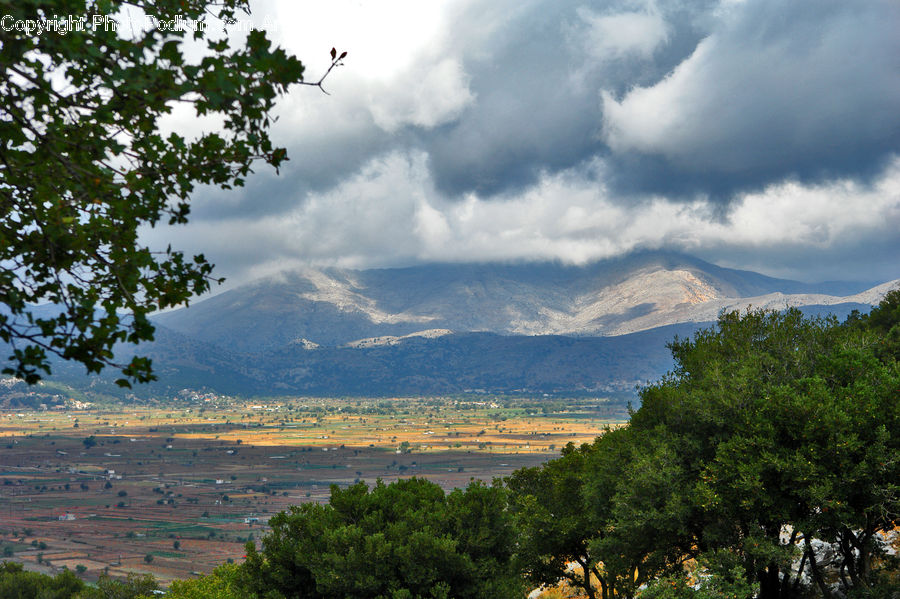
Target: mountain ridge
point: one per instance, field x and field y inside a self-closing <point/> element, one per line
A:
<point x="541" y="328"/>
<point x="332" y="307"/>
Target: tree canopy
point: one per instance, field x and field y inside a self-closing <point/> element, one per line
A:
<point x="766" y="463"/>
<point x="403" y="540"/>
<point x="85" y="163"/>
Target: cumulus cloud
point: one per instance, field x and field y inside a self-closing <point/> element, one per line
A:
<point x="777" y="89"/>
<point x="428" y="95"/>
<point x="758" y="134"/>
<point x="390" y="213"/>
<point x="617" y="35"/>
<point x="565" y="217"/>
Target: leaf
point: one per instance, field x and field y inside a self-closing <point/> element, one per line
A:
<point x="333" y="53"/>
<point x="96" y="212"/>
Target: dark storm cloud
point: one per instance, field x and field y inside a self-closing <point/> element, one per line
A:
<point x="314" y="165"/>
<point x="538" y="85"/>
<point x="757" y="134"/>
<point x="806" y="90"/>
<point x="736" y="96"/>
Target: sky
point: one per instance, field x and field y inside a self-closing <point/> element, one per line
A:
<point x="756" y="134"/>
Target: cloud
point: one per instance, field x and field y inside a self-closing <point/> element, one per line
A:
<point x="758" y="134"/>
<point x="426" y="96"/>
<point x="803" y="89"/>
<point x="391" y="213"/>
<point x="618" y="35"/>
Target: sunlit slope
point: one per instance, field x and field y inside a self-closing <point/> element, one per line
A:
<point x="335" y="307"/>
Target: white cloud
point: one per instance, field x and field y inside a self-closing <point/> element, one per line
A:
<point x="389" y="213"/>
<point x="428" y="95"/>
<point x="819" y="216"/>
<point x="431" y="226"/>
<point x="613" y="36"/>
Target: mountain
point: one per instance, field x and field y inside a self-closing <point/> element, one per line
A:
<point x="415" y="365"/>
<point x="334" y="307"/>
<point x="456" y="328"/>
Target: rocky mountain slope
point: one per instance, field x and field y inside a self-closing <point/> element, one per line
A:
<point x="438" y="329"/>
<point x="335" y="307"/>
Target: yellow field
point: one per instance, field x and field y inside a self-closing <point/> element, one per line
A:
<point x="424" y="425"/>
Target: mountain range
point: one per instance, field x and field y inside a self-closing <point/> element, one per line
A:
<point x="450" y="328"/>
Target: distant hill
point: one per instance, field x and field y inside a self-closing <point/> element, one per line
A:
<point x="450" y="364"/>
<point x="499" y="328"/>
<point x="333" y="307"/>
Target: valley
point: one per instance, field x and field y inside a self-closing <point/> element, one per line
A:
<point x="175" y="489"/>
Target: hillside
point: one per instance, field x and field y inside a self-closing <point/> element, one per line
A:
<point x="498" y="328"/>
<point x="333" y="307"/>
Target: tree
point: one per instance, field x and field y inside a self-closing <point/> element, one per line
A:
<point x="616" y="508"/>
<point x="135" y="586"/>
<point x="15" y="583"/>
<point x="639" y="481"/>
<point x="406" y="539"/>
<point x="775" y="433"/>
<point x="223" y="583"/>
<point x="554" y="523"/>
<point x="788" y="426"/>
<point x="84" y="164"/>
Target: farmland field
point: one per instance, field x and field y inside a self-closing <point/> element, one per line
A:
<point x="175" y="489"/>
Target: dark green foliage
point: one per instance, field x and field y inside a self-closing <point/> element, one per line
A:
<point x="135" y="586"/>
<point x="84" y="165"/>
<point x="15" y="583"/>
<point x="406" y="539"/>
<point x="787" y="426"/>
<point x="884" y="319"/>
<point x="554" y="520"/>
<point x="774" y="433"/>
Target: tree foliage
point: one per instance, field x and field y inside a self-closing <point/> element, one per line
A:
<point x="223" y="583"/>
<point x="16" y="583"/>
<point x="84" y="163"/>
<point x="135" y="586"/>
<point x="403" y="540"/>
<point x="765" y="464"/>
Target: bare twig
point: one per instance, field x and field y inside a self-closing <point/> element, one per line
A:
<point x="336" y="61"/>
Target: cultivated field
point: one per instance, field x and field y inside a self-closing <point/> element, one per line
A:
<point x="177" y="489"/>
